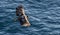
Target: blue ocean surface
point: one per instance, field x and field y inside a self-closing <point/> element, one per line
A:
<point x="44" y="16"/>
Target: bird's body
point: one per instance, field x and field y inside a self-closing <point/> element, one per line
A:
<point x="23" y="19"/>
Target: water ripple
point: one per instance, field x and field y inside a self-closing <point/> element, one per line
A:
<point x="44" y="17"/>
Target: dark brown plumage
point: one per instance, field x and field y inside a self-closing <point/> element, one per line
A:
<point x="23" y="19"/>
